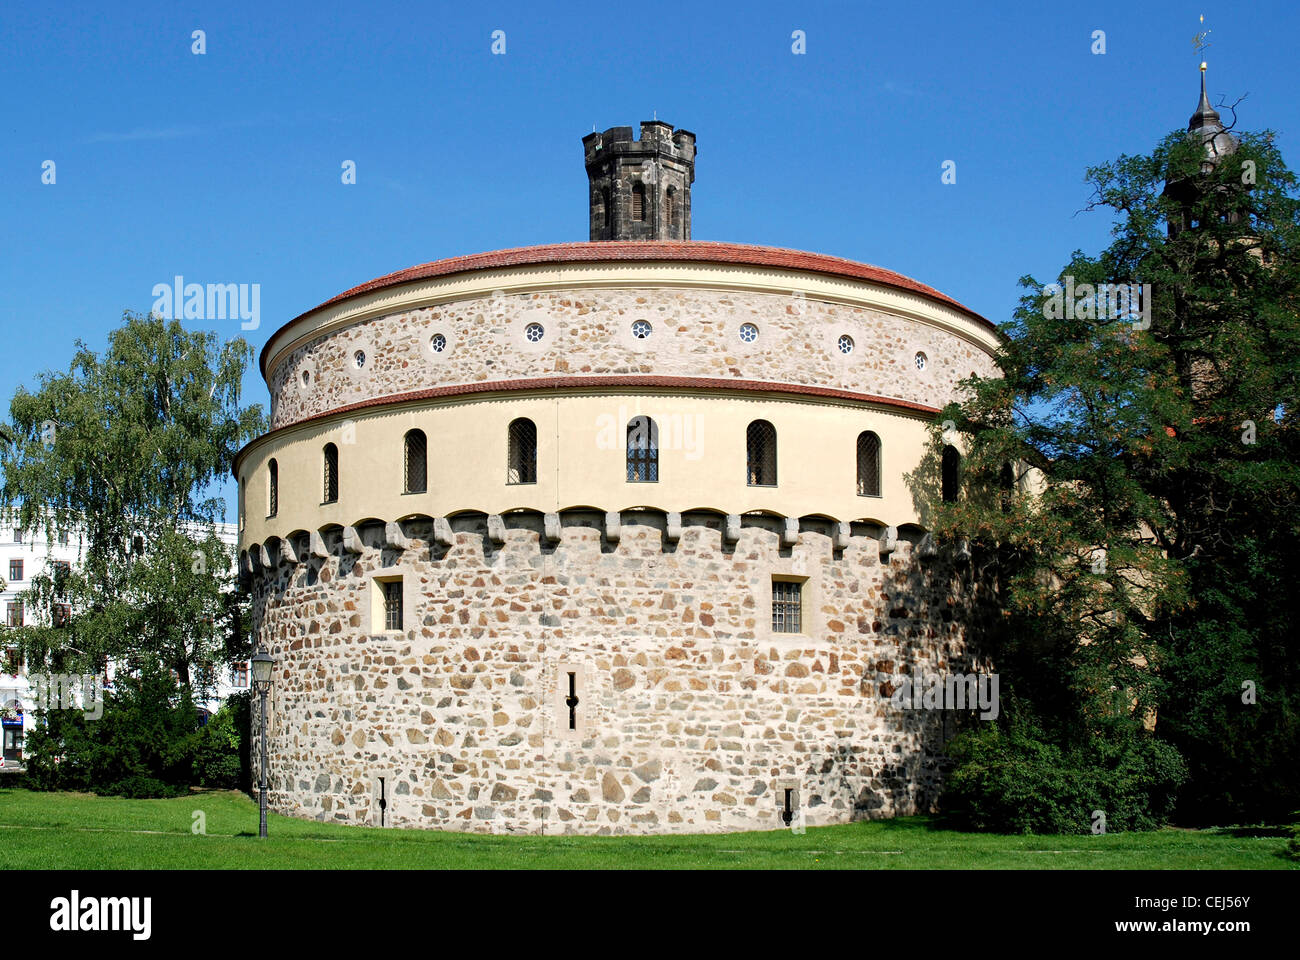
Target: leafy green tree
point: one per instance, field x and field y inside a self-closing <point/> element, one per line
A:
<point x="127" y="449"/>
<point x="1153" y="450"/>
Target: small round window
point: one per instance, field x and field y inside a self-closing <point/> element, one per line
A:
<point x="534" y="332"/>
<point x="748" y="332"/>
<point x="438" y="343"/>
<point x="920" y="360"/>
<point x="359" y="359"/>
<point x="642" y="329"/>
<point x="846" y="344"/>
<point x="306" y="377"/>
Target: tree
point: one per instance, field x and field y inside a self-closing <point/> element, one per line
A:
<point x="221" y="754"/>
<point x="145" y="743"/>
<point x="126" y="448"/>
<point x="1153" y="442"/>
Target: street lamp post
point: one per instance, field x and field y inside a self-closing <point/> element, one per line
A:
<point x="262" y="664"/>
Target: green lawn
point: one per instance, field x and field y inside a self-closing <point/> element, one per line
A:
<point x="80" y="831"/>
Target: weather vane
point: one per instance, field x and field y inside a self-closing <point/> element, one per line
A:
<point x="1200" y="43"/>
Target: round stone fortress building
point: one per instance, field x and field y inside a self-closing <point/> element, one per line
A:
<point x="607" y="537"/>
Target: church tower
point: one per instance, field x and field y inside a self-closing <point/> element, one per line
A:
<point x="1206" y="126"/>
<point x="1206" y="129"/>
<point x="640" y="189"/>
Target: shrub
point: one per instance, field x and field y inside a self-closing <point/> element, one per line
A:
<point x="1018" y="780"/>
<point x="147" y="743"/>
<point x="219" y="747"/>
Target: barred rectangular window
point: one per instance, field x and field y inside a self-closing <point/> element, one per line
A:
<point x="393" y="605"/>
<point x="642" y="450"/>
<point x="787" y="607"/>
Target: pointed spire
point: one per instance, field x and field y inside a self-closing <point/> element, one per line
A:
<point x="1205" y="115"/>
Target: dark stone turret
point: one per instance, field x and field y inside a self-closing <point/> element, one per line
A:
<point x="640" y="189"/>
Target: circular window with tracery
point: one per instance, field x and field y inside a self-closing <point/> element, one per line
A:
<point x="534" y="332"/>
<point x="641" y="329"/>
<point x="920" y="360"/>
<point x="359" y="359"/>
<point x="845" y="344"/>
<point x="748" y="332"/>
<point x="438" y="343"/>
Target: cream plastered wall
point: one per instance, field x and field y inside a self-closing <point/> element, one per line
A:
<point x="587" y="311"/>
<point x="581" y="459"/>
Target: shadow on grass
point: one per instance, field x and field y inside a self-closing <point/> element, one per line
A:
<point x="925" y="823"/>
<point x="1254" y="832"/>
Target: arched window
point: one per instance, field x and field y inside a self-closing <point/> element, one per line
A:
<point x="638" y="201"/>
<point x="273" y="491"/>
<point x="522" y="455"/>
<point x="1007" y="487"/>
<point x="951" y="463"/>
<point x="868" y="464"/>
<point x="760" y="454"/>
<point x="642" y="450"/>
<point x="604" y="204"/>
<point x="670" y="206"/>
<point x="416" y="465"/>
<point x="330" y="474"/>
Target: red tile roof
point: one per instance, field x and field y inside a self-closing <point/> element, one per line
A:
<point x="643" y="251"/>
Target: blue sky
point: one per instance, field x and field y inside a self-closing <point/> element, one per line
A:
<point x="225" y="167"/>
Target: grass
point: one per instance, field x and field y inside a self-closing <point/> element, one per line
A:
<point x="82" y="831"/>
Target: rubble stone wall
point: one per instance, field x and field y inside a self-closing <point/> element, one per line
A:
<point x="588" y="332"/>
<point x="692" y="714"/>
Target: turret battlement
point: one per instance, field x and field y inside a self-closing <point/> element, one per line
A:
<point x="640" y="189"/>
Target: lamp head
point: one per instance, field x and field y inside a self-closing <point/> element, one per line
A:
<point x="263" y="662"/>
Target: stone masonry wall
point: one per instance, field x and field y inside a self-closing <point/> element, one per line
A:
<point x="588" y="332"/>
<point x="694" y="716"/>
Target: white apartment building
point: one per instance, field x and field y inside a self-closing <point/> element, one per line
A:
<point x="24" y="555"/>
